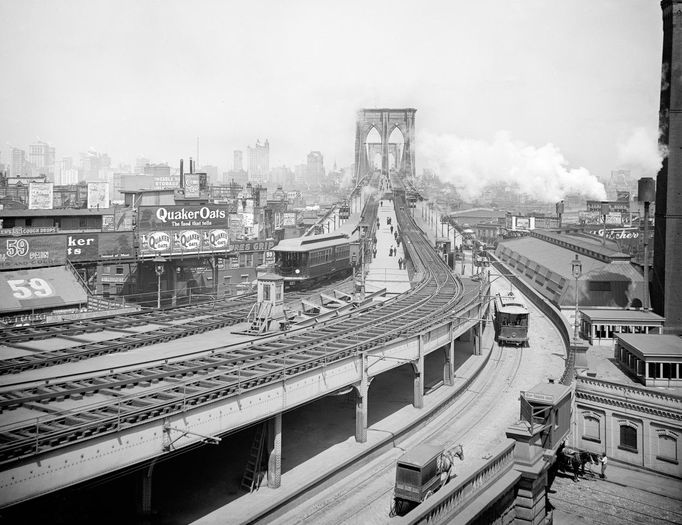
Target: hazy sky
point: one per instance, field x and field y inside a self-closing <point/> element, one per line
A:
<point x="147" y="77"/>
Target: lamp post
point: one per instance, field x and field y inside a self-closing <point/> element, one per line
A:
<point x="158" y="268"/>
<point x="646" y="193"/>
<point x="576" y="270"/>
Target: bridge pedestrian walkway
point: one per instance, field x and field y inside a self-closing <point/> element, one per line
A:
<point x="384" y="270"/>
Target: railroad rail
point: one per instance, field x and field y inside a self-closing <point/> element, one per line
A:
<point x="160" y="391"/>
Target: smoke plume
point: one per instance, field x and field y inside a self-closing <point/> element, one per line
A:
<point x="641" y="154"/>
<point x="472" y="165"/>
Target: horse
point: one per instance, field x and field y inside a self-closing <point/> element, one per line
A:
<point x="446" y="461"/>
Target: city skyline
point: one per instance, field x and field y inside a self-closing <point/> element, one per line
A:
<point x="140" y="80"/>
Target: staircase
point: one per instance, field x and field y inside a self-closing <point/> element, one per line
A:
<point x="254" y="467"/>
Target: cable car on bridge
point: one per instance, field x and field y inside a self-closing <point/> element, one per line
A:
<point x="511" y="320"/>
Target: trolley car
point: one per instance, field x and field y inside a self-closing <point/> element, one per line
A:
<point x="303" y="261"/>
<point x="511" y="320"/>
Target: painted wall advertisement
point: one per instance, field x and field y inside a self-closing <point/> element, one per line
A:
<point x="289" y="219"/>
<point x="54" y="250"/>
<point x="40" y="195"/>
<point x="98" y="195"/>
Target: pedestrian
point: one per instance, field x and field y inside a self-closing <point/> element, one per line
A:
<point x="603" y="460"/>
<point x="391" y="229"/>
<point x="381" y="203"/>
<point x="375" y="253"/>
<point x="390" y="251"/>
<point x="400" y="263"/>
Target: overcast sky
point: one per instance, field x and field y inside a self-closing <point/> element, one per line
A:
<point x="147" y="77"/>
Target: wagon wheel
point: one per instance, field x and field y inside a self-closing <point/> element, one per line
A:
<point x="392" y="511"/>
<point x="428" y="495"/>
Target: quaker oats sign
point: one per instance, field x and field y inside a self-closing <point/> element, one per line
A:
<point x="183" y="230"/>
<point x="153" y="218"/>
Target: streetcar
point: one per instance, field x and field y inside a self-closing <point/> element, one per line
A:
<point x="304" y="261"/>
<point x="511" y="320"/>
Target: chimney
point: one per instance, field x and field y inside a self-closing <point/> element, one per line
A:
<point x="191" y="165"/>
<point x="182" y="175"/>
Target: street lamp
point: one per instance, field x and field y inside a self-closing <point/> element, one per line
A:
<point x="576" y="270"/>
<point x="158" y="268"/>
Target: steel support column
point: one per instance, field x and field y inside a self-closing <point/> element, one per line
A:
<point x="449" y="366"/>
<point x="418" y="367"/>
<point x="275" y="451"/>
<point x="361" y="403"/>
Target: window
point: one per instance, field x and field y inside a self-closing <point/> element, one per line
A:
<point x="669" y="370"/>
<point x="667" y="447"/>
<point x="654" y="370"/>
<point x="591" y="428"/>
<point x="628" y="437"/>
<point x="119" y="270"/>
<point x="245" y="278"/>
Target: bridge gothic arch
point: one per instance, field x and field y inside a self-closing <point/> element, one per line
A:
<point x="385" y="121"/>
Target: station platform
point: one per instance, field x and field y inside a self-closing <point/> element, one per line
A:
<point x="384" y="271"/>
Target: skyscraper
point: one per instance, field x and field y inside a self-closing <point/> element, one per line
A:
<point x="259" y="162"/>
<point x="315" y="167"/>
<point x="18" y="167"/>
<point x="238" y="164"/>
<point x="42" y="156"/>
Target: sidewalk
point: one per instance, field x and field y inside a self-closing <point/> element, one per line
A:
<point x="626" y="476"/>
<point x="383" y="270"/>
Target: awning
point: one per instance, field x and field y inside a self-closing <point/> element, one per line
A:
<point x="40" y="288"/>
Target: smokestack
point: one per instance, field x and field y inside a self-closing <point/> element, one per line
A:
<point x="182" y="175"/>
<point x="191" y="165"/>
<point x="666" y="287"/>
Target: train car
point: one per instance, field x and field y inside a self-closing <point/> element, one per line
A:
<point x="303" y="261"/>
<point x="511" y="320"/>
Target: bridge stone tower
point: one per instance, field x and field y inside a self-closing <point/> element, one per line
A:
<point x="385" y="120"/>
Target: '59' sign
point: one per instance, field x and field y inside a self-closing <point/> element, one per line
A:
<point x="30" y="288"/>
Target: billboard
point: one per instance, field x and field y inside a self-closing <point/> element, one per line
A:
<point x="289" y="219"/>
<point x="40" y="195"/>
<point x="153" y="218"/>
<point x="22" y="290"/>
<point x="54" y="250"/>
<point x="253" y="246"/>
<point x="98" y="195"/>
<point x="181" y="242"/>
<point x="94" y="246"/>
<point x="192" y="188"/>
<point x="27" y="252"/>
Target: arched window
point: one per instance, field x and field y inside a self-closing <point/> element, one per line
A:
<point x="667" y="448"/>
<point x="628" y="437"/>
<point x="591" y="430"/>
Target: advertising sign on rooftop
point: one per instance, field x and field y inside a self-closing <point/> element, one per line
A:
<point x="192" y="188"/>
<point x="98" y="195"/>
<point x="151" y="218"/>
<point x="27" y="252"/>
<point x="40" y="195"/>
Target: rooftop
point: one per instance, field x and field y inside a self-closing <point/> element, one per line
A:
<point x="547" y="392"/>
<point x="56" y="212"/>
<point x="421" y="454"/>
<point x="654" y="345"/>
<point x="616" y="314"/>
<point x="558" y="259"/>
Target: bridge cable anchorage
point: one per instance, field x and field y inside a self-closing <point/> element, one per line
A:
<point x="168" y="443"/>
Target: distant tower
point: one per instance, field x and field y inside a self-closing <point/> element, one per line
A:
<point x="259" y="162"/>
<point x="238" y="163"/>
<point x="667" y="281"/>
<point x="18" y="163"/>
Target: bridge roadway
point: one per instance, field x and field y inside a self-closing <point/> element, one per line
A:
<point x="170" y="408"/>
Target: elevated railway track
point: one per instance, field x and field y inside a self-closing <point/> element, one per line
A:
<point x="143" y="394"/>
